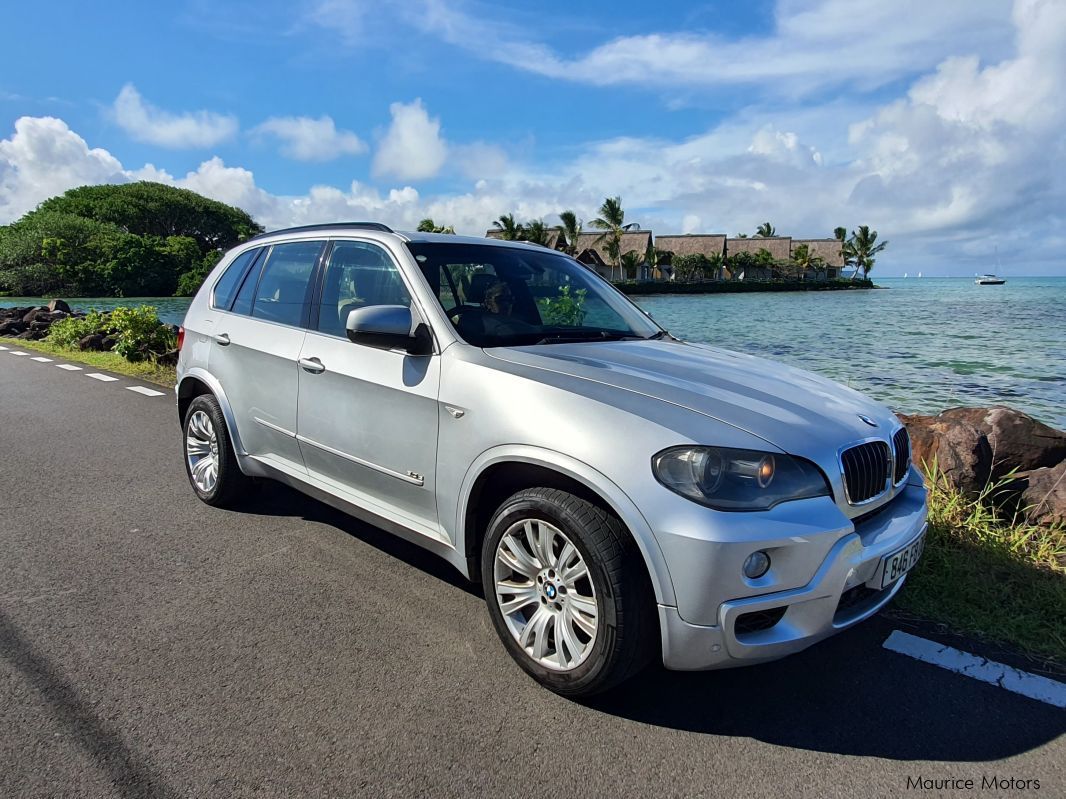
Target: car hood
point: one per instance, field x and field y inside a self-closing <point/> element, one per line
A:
<point x="796" y="411"/>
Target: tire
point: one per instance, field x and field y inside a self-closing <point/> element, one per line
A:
<point x="206" y="439"/>
<point x="558" y="650"/>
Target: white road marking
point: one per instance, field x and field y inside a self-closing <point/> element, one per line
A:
<point x="19" y="352"/>
<point x="4" y="348"/>
<point x="148" y="392"/>
<point x="105" y="378"/>
<point x="69" y="367"/>
<point x="1015" y="680"/>
<point x="41" y="358"/>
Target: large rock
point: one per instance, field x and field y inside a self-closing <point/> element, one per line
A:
<point x="94" y="342"/>
<point x="1044" y="499"/>
<point x="1018" y="440"/>
<point x="961" y="452"/>
<point x="34" y="313"/>
<point x="59" y="305"/>
<point x="12" y="327"/>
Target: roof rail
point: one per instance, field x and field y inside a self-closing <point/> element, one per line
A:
<point x="326" y="226"/>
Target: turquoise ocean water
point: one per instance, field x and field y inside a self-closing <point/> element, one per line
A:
<point x="917" y="345"/>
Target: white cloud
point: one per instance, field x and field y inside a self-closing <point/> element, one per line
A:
<point x="147" y="123"/>
<point x="43" y="158"/>
<point x="412" y="148"/>
<point x="813" y="43"/>
<point x="307" y="139"/>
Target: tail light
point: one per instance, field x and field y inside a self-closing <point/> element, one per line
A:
<point x="181" y="337"/>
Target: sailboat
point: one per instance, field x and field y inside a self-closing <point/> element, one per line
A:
<point x="905" y="274"/>
<point x="919" y="274"/>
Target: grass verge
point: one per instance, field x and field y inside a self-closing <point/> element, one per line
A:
<point x="990" y="574"/>
<point x="111" y="361"/>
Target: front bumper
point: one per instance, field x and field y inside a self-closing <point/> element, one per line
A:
<point x="844" y="590"/>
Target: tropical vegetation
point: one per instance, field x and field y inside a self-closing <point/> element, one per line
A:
<point x="128" y="240"/>
<point x="612" y="221"/>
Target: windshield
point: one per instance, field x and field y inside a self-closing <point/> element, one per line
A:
<point x="502" y="296"/>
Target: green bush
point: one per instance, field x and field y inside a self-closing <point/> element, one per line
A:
<point x="138" y="329"/>
<point x="68" y="332"/>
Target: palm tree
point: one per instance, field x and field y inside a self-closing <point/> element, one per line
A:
<point x="537" y="232"/>
<point x="571" y="231"/>
<point x="510" y="229"/>
<point x="631" y="263"/>
<point x="612" y="220"/>
<point x="864" y="247"/>
<point x="653" y="256"/>
<point x="765" y="231"/>
<point x="803" y="260"/>
<point x="846" y="252"/>
<point x="427" y="225"/>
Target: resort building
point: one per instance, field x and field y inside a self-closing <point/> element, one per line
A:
<point x="592" y="250"/>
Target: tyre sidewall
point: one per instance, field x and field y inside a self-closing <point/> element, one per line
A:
<point x="210" y="406"/>
<point x="600" y="660"/>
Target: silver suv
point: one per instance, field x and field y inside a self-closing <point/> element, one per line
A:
<point x="620" y="494"/>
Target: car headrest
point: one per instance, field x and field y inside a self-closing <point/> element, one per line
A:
<point x="479" y="284"/>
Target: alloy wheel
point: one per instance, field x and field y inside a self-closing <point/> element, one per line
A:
<point x="201" y="452"/>
<point x="545" y="594"/>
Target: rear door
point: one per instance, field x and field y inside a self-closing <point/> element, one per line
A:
<point x="368" y="417"/>
<point x="256" y="347"/>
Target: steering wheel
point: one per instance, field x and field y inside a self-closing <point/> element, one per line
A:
<point x="461" y="309"/>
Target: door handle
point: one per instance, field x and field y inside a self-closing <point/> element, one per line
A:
<point x="312" y="365"/>
<point x="221" y="338"/>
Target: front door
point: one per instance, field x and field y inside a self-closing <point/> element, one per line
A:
<point x="367" y="421"/>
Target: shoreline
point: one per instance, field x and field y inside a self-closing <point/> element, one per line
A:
<point x="633" y="288"/>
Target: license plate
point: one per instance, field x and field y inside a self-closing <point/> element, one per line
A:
<point x="901" y="561"/>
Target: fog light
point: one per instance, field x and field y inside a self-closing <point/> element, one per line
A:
<point x="757" y="564"/>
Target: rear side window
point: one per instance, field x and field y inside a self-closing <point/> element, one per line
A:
<point x="226" y="286"/>
<point x="282" y="292"/>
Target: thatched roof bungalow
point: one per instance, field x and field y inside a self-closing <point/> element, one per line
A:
<point x="708" y="245"/>
<point x="829" y="250"/>
<point x="779" y="247"/>
<point x="592" y="248"/>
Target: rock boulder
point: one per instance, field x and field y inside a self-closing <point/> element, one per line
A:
<point x="58" y="305"/>
<point x="961" y="451"/>
<point x="1044" y="498"/>
<point x="1018" y="440"/>
<point x="94" y="342"/>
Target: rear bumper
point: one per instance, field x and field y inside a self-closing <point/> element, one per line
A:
<point x="845" y="589"/>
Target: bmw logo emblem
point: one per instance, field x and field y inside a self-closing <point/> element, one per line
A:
<point x="868" y="420"/>
<point x="549" y="589"/>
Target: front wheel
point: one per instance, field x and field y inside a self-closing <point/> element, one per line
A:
<point x="567" y="591"/>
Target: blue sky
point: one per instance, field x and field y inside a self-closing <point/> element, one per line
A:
<point x="938" y="124"/>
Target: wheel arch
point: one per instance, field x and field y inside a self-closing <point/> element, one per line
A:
<point x="500" y="472"/>
<point x="197" y="382"/>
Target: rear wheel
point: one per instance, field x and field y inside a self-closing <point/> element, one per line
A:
<point x="210" y="462"/>
<point x="567" y="591"/>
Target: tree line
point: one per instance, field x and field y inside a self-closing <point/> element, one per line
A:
<point x="128" y="240"/>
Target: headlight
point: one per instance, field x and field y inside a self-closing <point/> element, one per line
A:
<point x="737" y="479"/>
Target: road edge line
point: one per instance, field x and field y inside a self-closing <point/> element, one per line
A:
<point x="1007" y="677"/>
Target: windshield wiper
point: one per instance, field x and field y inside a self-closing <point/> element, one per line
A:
<point x="586" y="335"/>
<point x="657" y="336"/>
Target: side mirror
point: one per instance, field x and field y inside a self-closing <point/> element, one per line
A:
<point x="388" y="327"/>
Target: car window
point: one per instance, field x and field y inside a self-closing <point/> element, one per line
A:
<point x="226" y="286"/>
<point x="503" y="296"/>
<point x="281" y="293"/>
<point x="358" y="274"/>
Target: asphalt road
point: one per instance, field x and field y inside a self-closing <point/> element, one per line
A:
<point x="153" y="646"/>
